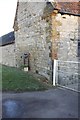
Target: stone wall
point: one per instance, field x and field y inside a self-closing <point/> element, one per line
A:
<point x="47" y="35"/>
<point x="66" y="42"/>
<point x="7" y="54"/>
<point x="33" y="36"/>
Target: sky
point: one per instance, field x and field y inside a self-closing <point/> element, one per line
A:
<point x="7" y="15"/>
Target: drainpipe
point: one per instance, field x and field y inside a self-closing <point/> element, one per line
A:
<point x="29" y="61"/>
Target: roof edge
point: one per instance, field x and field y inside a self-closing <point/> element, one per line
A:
<point x="69" y="13"/>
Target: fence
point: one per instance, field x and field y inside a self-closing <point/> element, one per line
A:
<point x="66" y="74"/>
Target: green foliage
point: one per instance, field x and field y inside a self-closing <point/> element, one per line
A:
<point x="0" y="77"/>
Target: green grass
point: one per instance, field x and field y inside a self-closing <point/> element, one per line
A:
<point x="0" y="77"/>
<point x="16" y="80"/>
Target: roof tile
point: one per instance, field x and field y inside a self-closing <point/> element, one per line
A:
<point x="70" y="7"/>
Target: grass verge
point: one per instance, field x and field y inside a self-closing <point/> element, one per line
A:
<point x="16" y="80"/>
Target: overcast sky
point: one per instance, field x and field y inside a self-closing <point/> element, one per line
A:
<point x="7" y="14"/>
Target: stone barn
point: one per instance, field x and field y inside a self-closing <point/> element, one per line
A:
<point x="7" y="49"/>
<point x="65" y="20"/>
<point x="32" y="28"/>
<point x="45" y="31"/>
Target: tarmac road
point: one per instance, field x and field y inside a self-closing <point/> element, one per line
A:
<point x="53" y="103"/>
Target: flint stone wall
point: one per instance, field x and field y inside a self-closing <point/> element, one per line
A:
<point x="33" y="36"/>
<point x="7" y="55"/>
<point x="68" y="49"/>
